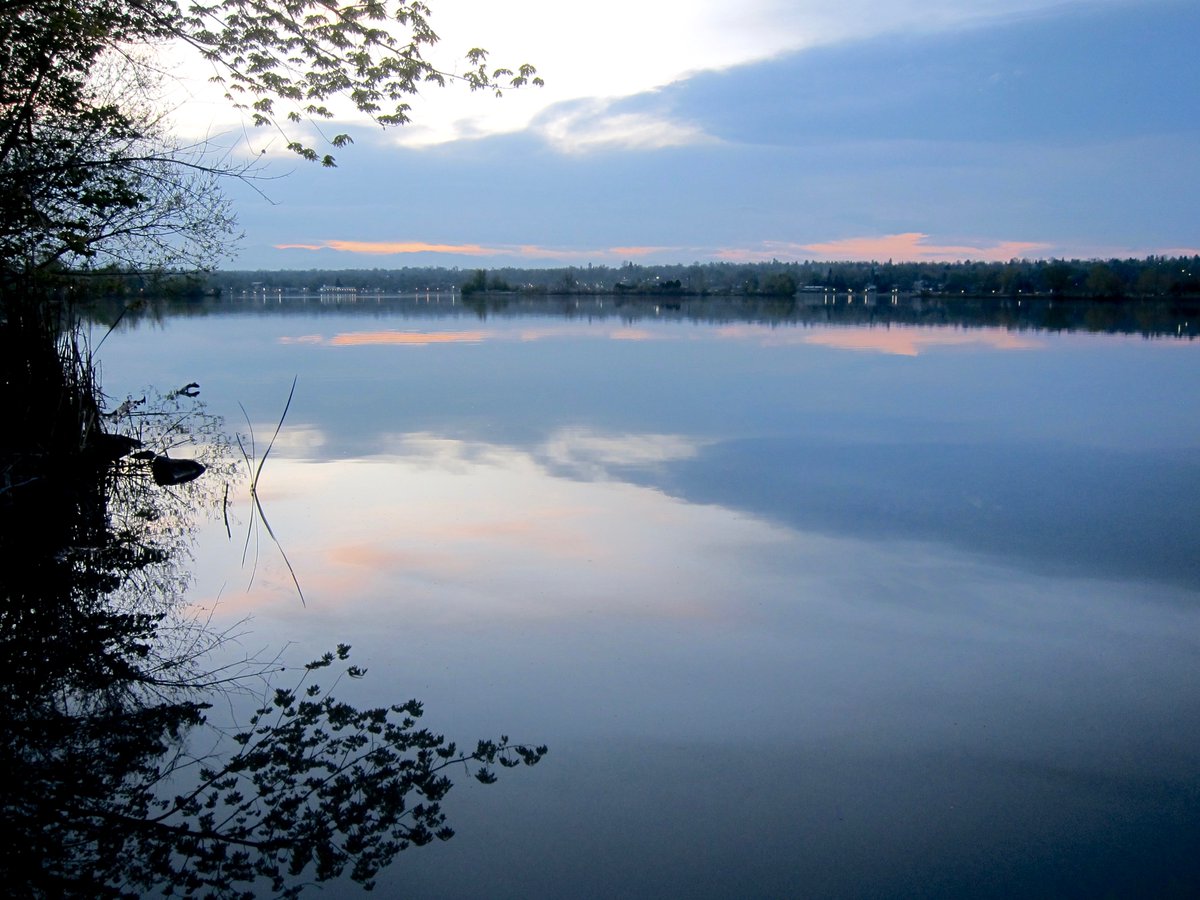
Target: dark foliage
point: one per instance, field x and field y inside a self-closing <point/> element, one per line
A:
<point x="106" y="687"/>
<point x="89" y="174"/>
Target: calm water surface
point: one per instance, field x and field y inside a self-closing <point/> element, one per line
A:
<point x="800" y="610"/>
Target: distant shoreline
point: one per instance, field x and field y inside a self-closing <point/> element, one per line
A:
<point x="1160" y="318"/>
<point x="1151" y="278"/>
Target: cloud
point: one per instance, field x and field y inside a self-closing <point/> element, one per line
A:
<point x="515" y="251"/>
<point x="892" y="340"/>
<point x="297" y="440"/>
<point x="593" y="126"/>
<point x="633" y="48"/>
<point x="533" y="251"/>
<point x="913" y="342"/>
<point x="391" y="338"/>
<point x="406" y="338"/>
<point x="476" y="336"/>
<point x="907" y="247"/>
<point x="592" y="453"/>
<point x="636" y="47"/>
<point x="633" y="334"/>
<point x="913" y="246"/>
<point x="388" y="248"/>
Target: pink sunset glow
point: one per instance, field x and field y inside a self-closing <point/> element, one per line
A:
<point x="910" y="246"/>
<point x="406" y="338"/>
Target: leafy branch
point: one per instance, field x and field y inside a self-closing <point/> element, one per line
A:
<point x="316" y="786"/>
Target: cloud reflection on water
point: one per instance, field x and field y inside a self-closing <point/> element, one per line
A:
<point x="454" y="530"/>
<point x="914" y="341"/>
<point x="406" y="338"/>
<point x="484" y="554"/>
<point x="907" y="579"/>
<point x="894" y="340"/>
<point x="898" y="340"/>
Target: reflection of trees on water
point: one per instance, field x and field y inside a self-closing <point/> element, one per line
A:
<point x="106" y="677"/>
<point x="1177" y="318"/>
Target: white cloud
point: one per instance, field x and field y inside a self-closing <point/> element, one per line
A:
<point x="622" y="48"/>
<point x="591" y="127"/>
<point x="594" y="454"/>
<point x="296" y="441"/>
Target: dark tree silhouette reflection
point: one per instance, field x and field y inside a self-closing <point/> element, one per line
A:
<point x="106" y="686"/>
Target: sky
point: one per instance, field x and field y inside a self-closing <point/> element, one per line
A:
<point x="681" y="131"/>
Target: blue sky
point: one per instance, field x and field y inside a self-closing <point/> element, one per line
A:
<point x="804" y="130"/>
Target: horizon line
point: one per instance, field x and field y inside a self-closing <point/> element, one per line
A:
<point x="1144" y="258"/>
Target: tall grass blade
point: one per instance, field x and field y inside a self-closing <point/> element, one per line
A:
<point x="287" y="562"/>
<point x="267" y="452"/>
<point x="252" y="525"/>
<point x="257" y="513"/>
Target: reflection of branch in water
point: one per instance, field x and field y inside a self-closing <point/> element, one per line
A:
<point x="106" y="678"/>
<point x="315" y="782"/>
<point x="151" y="498"/>
<point x="256" y="511"/>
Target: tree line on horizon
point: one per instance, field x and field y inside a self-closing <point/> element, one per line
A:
<point x="1161" y="277"/>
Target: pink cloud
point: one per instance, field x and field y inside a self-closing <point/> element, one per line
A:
<point x="631" y="334"/>
<point x="914" y="342"/>
<point x="533" y="251"/>
<point x="910" y="246"/>
<point x="524" y="251"/>
<point x="893" y="340"/>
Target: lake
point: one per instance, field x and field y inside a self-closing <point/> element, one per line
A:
<point x="830" y="603"/>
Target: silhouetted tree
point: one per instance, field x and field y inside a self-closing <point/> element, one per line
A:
<point x="86" y="168"/>
<point x="1102" y="281"/>
<point x="780" y="284"/>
